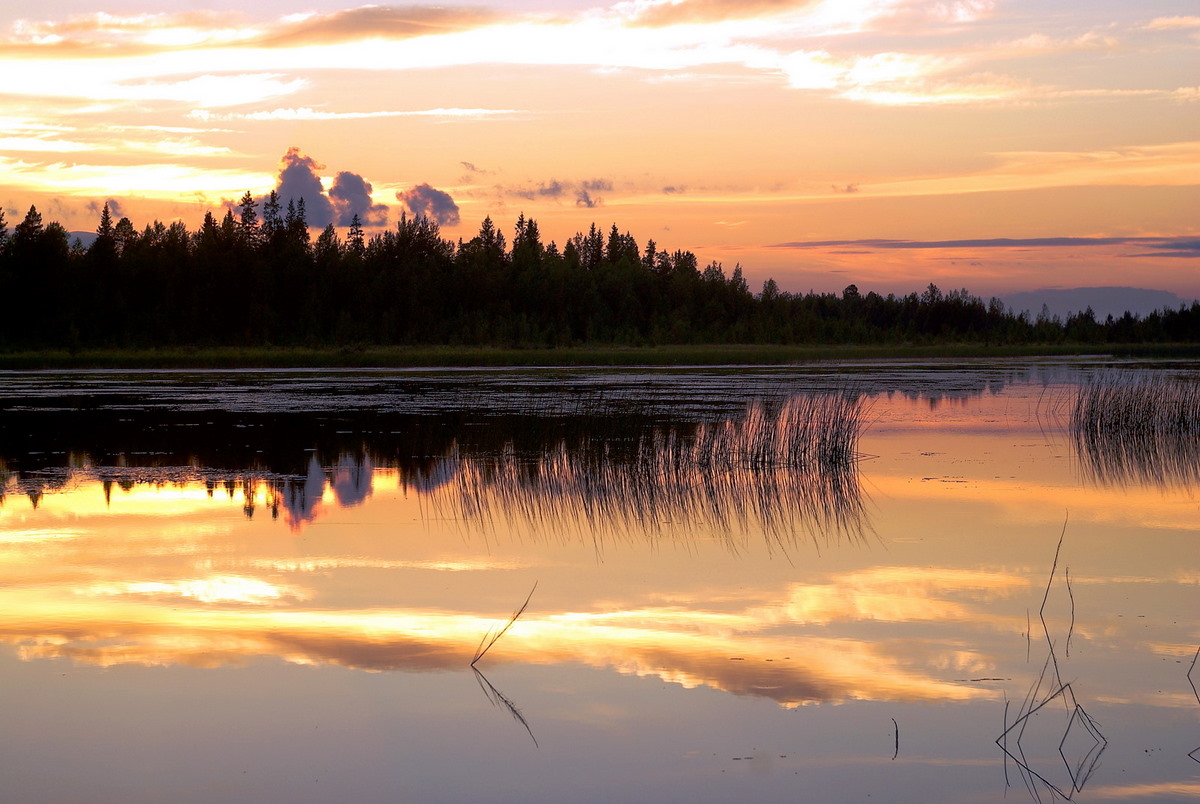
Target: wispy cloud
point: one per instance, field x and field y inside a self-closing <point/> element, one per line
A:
<point x="161" y="180"/>
<point x="307" y="113"/>
<point x="171" y="57"/>
<point x="1172" y="23"/>
<point x="585" y="193"/>
<point x="994" y="242"/>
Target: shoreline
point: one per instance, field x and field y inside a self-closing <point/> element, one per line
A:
<point x="462" y="356"/>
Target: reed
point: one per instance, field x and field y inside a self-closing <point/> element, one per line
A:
<point x="493" y="635"/>
<point x="782" y="467"/>
<point x="1138" y="427"/>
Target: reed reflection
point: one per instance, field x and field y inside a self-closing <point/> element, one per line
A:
<point x="781" y="467"/>
<point x="1055" y="744"/>
<point x="1137" y="429"/>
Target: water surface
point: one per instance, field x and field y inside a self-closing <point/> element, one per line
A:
<point x="240" y="586"/>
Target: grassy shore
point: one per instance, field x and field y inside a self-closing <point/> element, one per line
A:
<point x="443" y="356"/>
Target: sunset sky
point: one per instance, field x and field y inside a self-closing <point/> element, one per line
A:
<point x="996" y="145"/>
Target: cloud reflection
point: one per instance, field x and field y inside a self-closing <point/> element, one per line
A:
<point x="789" y="672"/>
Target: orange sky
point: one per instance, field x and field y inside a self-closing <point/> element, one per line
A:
<point x="791" y="137"/>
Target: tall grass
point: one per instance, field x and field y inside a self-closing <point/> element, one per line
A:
<point x="1140" y="427"/>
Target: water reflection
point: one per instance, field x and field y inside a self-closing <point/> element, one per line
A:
<point x="1050" y="720"/>
<point x="1138" y="428"/>
<point x="783" y="468"/>
<point x="1191" y="677"/>
<point x="409" y="524"/>
<point x="228" y="620"/>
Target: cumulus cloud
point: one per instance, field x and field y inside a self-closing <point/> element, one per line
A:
<point x="298" y="179"/>
<point x="351" y="195"/>
<point x="430" y="202"/>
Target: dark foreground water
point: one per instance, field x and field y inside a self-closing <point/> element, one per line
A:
<point x="847" y="583"/>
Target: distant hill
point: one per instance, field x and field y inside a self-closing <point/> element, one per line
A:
<point x="1103" y="301"/>
<point x="86" y="238"/>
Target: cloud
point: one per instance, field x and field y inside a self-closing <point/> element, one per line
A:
<point x="373" y="21"/>
<point x="193" y="28"/>
<point x="811" y="17"/>
<point x="297" y="180"/>
<point x="673" y="189"/>
<point x="307" y="113"/>
<point x="171" y="57"/>
<point x="586" y="195"/>
<point x="551" y="189"/>
<point x="847" y="189"/>
<point x="431" y="202"/>
<point x="1172" y="23"/>
<point x="673" y="12"/>
<point x="351" y="195"/>
<point x="1183" y="244"/>
<point x="146" y="179"/>
<point x="114" y="208"/>
<point x="101" y="29"/>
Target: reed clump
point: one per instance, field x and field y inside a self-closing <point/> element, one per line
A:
<point x="783" y="467"/>
<point x="1140" y="427"/>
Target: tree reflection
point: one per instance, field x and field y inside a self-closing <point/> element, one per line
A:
<point x="783" y="466"/>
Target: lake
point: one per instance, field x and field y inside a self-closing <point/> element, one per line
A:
<point x="903" y="582"/>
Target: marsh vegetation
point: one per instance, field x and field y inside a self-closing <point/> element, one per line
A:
<point x="1138" y="427"/>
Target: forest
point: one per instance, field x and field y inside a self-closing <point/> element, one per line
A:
<point x="257" y="277"/>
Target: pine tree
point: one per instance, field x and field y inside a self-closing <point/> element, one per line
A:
<point x="248" y="229"/>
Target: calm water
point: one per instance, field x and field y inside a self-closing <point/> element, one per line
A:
<point x="269" y="586"/>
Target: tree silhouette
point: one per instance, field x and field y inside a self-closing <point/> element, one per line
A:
<point x="245" y="281"/>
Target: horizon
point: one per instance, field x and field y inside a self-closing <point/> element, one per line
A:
<point x="995" y="146"/>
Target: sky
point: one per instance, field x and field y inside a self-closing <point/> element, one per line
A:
<point x="992" y="145"/>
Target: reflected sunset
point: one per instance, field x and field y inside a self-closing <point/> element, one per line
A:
<point x="840" y="575"/>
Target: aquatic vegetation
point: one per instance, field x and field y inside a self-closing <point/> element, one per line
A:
<point x="783" y="467"/>
<point x="1053" y="741"/>
<point x="1138" y="427"/>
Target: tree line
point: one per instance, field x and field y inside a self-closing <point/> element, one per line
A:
<point x="258" y="277"/>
